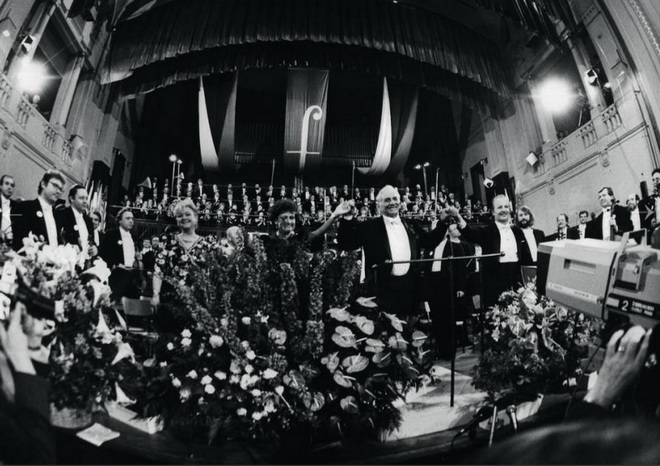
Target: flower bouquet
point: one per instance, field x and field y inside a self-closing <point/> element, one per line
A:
<point x="88" y="360"/>
<point x="372" y="358"/>
<point x="532" y="346"/>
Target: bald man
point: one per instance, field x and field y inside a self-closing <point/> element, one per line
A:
<point x="389" y="238"/>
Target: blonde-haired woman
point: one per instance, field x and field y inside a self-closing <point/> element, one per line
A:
<point x="182" y="251"/>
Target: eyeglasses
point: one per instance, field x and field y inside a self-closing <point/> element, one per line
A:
<point x="57" y="186"/>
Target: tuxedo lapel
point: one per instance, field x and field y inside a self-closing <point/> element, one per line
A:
<point x="497" y="239"/>
<point x="382" y="233"/>
<point x="411" y="239"/>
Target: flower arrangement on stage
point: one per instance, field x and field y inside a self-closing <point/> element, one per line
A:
<point x="372" y="358"/>
<point x="532" y="345"/>
<point x="256" y="357"/>
<point x="88" y="360"/>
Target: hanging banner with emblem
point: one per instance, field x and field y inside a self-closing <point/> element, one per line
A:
<point x="306" y="103"/>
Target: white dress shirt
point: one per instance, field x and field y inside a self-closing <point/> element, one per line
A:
<point x="634" y="216"/>
<point x="6" y="217"/>
<point x="49" y="218"/>
<point x="606" y="223"/>
<point x="531" y="240"/>
<point x="82" y="230"/>
<point x="582" y="228"/>
<point x="128" y="247"/>
<point x="399" y="244"/>
<point x="437" y="254"/>
<point x="508" y="243"/>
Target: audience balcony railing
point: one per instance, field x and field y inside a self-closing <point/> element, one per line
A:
<point x="33" y="128"/>
<point x="591" y="138"/>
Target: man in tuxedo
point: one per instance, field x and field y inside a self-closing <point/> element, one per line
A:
<point x="97" y="233"/>
<point x="388" y="238"/>
<point x="7" y="204"/>
<point x="499" y="273"/>
<point x="76" y="226"/>
<point x="118" y="250"/>
<point x="440" y="289"/>
<point x="632" y="203"/>
<point x="564" y="231"/>
<point x="37" y="216"/>
<point x="650" y="205"/>
<point x="612" y="222"/>
<point x="534" y="236"/>
<point x="581" y="228"/>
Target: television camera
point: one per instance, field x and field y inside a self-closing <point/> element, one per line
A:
<point x="610" y="280"/>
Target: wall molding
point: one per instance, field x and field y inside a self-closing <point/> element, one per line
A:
<point x="647" y="27"/>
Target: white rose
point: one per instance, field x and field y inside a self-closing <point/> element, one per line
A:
<point x="186" y="333"/>
<point x="234" y="379"/>
<point x="256" y="392"/>
<point x="210" y="389"/>
<point x="257" y="416"/>
<point x="250" y="355"/>
<point x="192" y="374"/>
<point x="241" y="411"/>
<point x="269" y="374"/>
<point x="184" y="394"/>
<point x="176" y="382"/>
<point x="170" y="346"/>
<point x="220" y="375"/>
<point x="249" y="369"/>
<point x="246" y="320"/>
<point x="206" y="380"/>
<point x="245" y="344"/>
<point x="216" y="341"/>
<point x="186" y="342"/>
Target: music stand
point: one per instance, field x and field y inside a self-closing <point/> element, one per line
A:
<point x="451" y="304"/>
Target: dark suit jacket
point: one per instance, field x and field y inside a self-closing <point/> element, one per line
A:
<point x="372" y="236"/>
<point x="623" y="223"/>
<point x="70" y="234"/>
<point x="488" y="237"/>
<point x="111" y="250"/>
<point x="572" y="233"/>
<point x="30" y="218"/>
<point x="460" y="270"/>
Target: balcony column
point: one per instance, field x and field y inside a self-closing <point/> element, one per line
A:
<point x="66" y="92"/>
<point x="594" y="94"/>
<point x="543" y="115"/>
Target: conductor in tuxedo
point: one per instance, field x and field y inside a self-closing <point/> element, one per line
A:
<point x="386" y="238"/>
<point x="37" y="216"/>
<point x="440" y="289"/>
<point x="118" y="250"/>
<point x="76" y="226"/>
<point x="500" y="236"/>
<point x="612" y="222"/>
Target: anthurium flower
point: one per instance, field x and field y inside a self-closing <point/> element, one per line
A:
<point x="342" y="380"/>
<point x="365" y="325"/>
<point x="344" y="337"/>
<point x="374" y="346"/>
<point x="367" y="302"/>
<point x="353" y="364"/>
<point x="313" y="401"/>
<point x="418" y="338"/>
<point x="339" y="314"/>
<point x="349" y="404"/>
<point x="395" y="321"/>
<point x="331" y="361"/>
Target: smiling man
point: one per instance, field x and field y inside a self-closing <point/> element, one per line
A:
<point x="36" y="216"/>
<point x="499" y="273"/>
<point x="385" y="238"/>
<point x="612" y="222"/>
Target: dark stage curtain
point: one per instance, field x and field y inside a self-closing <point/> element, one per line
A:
<point x="277" y="55"/>
<point x="187" y="39"/>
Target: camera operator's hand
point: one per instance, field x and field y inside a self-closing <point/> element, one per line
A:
<point x="623" y="362"/>
<point x="15" y="342"/>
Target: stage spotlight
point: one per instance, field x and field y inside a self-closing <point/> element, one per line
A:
<point x="592" y="76"/>
<point x="31" y="77"/>
<point x="556" y="95"/>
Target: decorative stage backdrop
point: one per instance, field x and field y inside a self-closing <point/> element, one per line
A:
<point x="306" y="108"/>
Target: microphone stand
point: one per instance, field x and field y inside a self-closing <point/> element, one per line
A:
<point x="451" y="284"/>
